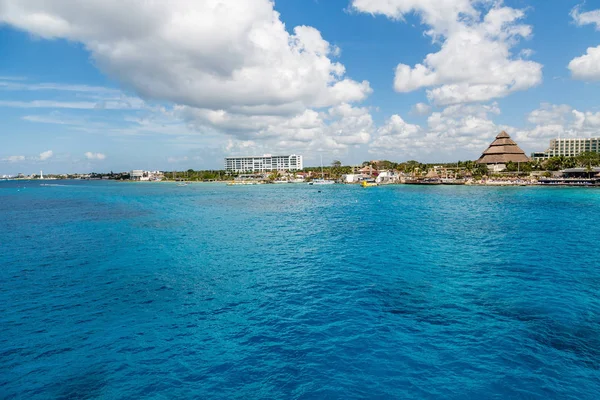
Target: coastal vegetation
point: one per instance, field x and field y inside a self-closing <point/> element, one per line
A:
<point x="336" y="170"/>
<point x="198" y="175"/>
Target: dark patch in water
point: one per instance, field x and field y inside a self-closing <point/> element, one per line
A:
<point x="88" y="384"/>
<point x="401" y="312"/>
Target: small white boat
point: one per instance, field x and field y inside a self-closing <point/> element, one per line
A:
<point x="236" y="183"/>
<point x="321" y="182"/>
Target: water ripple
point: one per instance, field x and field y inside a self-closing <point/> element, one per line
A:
<point x="122" y="291"/>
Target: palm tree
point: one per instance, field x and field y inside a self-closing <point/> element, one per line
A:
<point x="588" y="160"/>
<point x="274" y="175"/>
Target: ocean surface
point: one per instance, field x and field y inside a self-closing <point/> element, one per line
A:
<point x="149" y="290"/>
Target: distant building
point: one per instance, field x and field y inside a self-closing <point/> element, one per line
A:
<point x="568" y="148"/>
<point x="574" y="177"/>
<point x="264" y="163"/>
<point x="351" y="178"/>
<point x="368" y="170"/>
<point x="502" y="151"/>
<point x="581" y="172"/>
<point x="141" y="175"/>
<point x="387" y="176"/>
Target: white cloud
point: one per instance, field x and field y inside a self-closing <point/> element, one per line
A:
<point x="14" y="158"/>
<point x="475" y="62"/>
<point x="338" y="127"/>
<point x="94" y="156"/>
<point x="397" y="136"/>
<point x="209" y="54"/>
<point x="464" y="131"/>
<point x="7" y="83"/>
<point x="229" y="66"/>
<point x="110" y="104"/>
<point x="45" y="155"/>
<point x="584" y="18"/>
<point x="552" y="121"/>
<point x="45" y="119"/>
<point x="586" y="67"/>
<point x="549" y="114"/>
<point x="459" y="131"/>
<point x="421" y="109"/>
<point x="526" y="53"/>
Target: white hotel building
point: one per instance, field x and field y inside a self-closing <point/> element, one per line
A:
<point x="568" y="148"/>
<point x="264" y="163"/>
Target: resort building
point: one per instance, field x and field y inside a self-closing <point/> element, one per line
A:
<point x="141" y="175"/>
<point x="264" y="163"/>
<point x="568" y="148"/>
<point x="502" y="151"/>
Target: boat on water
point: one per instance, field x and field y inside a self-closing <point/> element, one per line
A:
<point x="237" y="183"/>
<point x="183" y="184"/>
<point x="281" y="181"/>
<point x="367" y="184"/>
<point x="322" y="180"/>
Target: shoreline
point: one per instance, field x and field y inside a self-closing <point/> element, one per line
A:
<point x="484" y="184"/>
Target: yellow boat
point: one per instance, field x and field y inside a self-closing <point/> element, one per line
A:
<point x="368" y="184"/>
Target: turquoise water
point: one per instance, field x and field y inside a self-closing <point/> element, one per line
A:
<point x="122" y="291"/>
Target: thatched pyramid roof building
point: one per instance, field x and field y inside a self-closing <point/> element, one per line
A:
<point x="503" y="150"/>
<point x="432" y="174"/>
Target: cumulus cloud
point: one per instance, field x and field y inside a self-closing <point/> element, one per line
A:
<point x="209" y="54"/>
<point x="421" y="109"/>
<point x="549" y="114"/>
<point x="94" y="156"/>
<point x="45" y="155"/>
<point x="464" y="131"/>
<point x="226" y="63"/>
<point x="14" y="158"/>
<point x="456" y="131"/>
<point x="475" y="62"/>
<point x="584" y="18"/>
<point x="337" y="127"/>
<point x="587" y="66"/>
<point x="551" y="121"/>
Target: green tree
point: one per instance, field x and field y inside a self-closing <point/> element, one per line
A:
<point x="526" y="167"/>
<point x="588" y="159"/>
<point x="569" y="162"/>
<point x="554" y="163"/>
<point x="274" y="176"/>
<point x="511" y="166"/>
<point x="480" y="170"/>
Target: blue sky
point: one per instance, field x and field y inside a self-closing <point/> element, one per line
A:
<point x="117" y="85"/>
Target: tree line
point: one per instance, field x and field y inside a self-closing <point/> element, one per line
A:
<point x="336" y="169"/>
